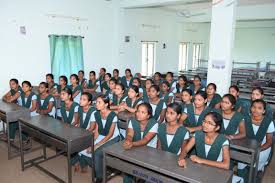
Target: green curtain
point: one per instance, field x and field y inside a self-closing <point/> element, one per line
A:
<point x="66" y="55"/>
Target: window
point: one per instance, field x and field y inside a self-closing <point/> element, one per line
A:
<point x="196" y="55"/>
<point x="66" y="54"/>
<point x="183" y="56"/>
<point x="148" y="58"/>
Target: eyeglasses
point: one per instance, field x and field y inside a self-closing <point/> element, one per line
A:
<point x="209" y="123"/>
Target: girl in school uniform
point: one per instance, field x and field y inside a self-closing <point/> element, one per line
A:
<point x="85" y="112"/>
<point x="118" y="97"/>
<point x="63" y="83"/>
<point x="194" y="113"/>
<point x="141" y="131"/>
<point x="51" y="83"/>
<point x="93" y="85"/>
<point x="13" y="96"/>
<point x="158" y="105"/>
<point x="112" y="85"/>
<point x="127" y="79"/>
<point x="69" y="108"/>
<point x="233" y="126"/>
<point x="165" y="93"/>
<point x="235" y="91"/>
<point x="196" y="86"/>
<point x="260" y="128"/>
<point x="106" y="133"/>
<point x="75" y="87"/>
<point x="105" y="85"/>
<point x="45" y="101"/>
<point x="172" y="83"/>
<point x="116" y="75"/>
<point x="213" y="98"/>
<point x="181" y="85"/>
<point x="157" y="78"/>
<point x="132" y="101"/>
<point x="148" y="84"/>
<point x="82" y="79"/>
<point x="172" y="136"/>
<point x="212" y="148"/>
<point x="186" y="96"/>
<point x="102" y="73"/>
<point x="137" y="82"/>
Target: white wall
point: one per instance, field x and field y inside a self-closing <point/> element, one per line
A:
<point x="26" y="57"/>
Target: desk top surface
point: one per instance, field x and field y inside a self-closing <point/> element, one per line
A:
<point x="6" y="107"/>
<point x="55" y="128"/>
<point x="245" y="144"/>
<point x="166" y="163"/>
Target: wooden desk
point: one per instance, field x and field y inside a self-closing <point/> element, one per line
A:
<point x="154" y="165"/>
<point x="66" y="138"/>
<point x="10" y="113"/>
<point x="247" y="151"/>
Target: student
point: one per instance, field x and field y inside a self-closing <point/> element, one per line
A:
<point x="75" y="87"/>
<point x="158" y="105"/>
<point x="172" y="83"/>
<point x="172" y="136"/>
<point x="235" y="91"/>
<point x="63" y="83"/>
<point x="82" y="79"/>
<point x="29" y="99"/>
<point x="51" y="83"/>
<point x="141" y="131"/>
<point x="260" y="128"/>
<point x="13" y="96"/>
<point x="196" y="86"/>
<point x="211" y="147"/>
<point x="257" y="93"/>
<point x="194" y="113"/>
<point x="105" y="85"/>
<point x="112" y="85"/>
<point x="45" y="101"/>
<point x="69" y="108"/>
<point x="181" y="85"/>
<point x="186" y="96"/>
<point x="137" y="82"/>
<point x="127" y="79"/>
<point x="132" y="101"/>
<point x="119" y="96"/>
<point x="106" y="133"/>
<point x="213" y="99"/>
<point x="148" y="84"/>
<point x="165" y="93"/>
<point x="157" y="78"/>
<point x="102" y="73"/>
<point x="85" y="112"/>
<point x="233" y="122"/>
<point x="116" y="75"/>
<point x="93" y="84"/>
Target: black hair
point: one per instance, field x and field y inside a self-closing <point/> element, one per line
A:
<point x="64" y="78"/>
<point x="156" y="87"/>
<point x="108" y="74"/>
<point x="50" y="75"/>
<point x="69" y="92"/>
<point x="105" y="99"/>
<point x="235" y="87"/>
<point x="135" y="88"/>
<point x="148" y="107"/>
<point x="129" y="70"/>
<point x="212" y="84"/>
<point x="151" y="81"/>
<point x="46" y="85"/>
<point x="116" y="70"/>
<point x="217" y="118"/>
<point x="197" y="77"/>
<point x="138" y="80"/>
<point x="14" y="80"/>
<point x="104" y="70"/>
<point x="258" y="89"/>
<point x="231" y="98"/>
<point x="176" y="107"/>
<point x="93" y="72"/>
<point x="166" y="83"/>
<point x="158" y="73"/>
<point x="170" y="73"/>
<point x="113" y="80"/>
<point x="81" y="71"/>
<point x="27" y="83"/>
<point x="121" y="86"/>
<point x="75" y="76"/>
<point x="202" y="94"/>
<point x="190" y="92"/>
<point x="183" y="77"/>
<point x="261" y="101"/>
<point x="89" y="96"/>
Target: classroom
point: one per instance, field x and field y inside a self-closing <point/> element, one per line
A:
<point x="137" y="91"/>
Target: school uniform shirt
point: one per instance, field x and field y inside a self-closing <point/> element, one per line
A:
<point x="100" y="137"/>
<point x="53" y="111"/>
<point x="84" y="115"/>
<point x="173" y="87"/>
<point x="78" y="88"/>
<point x="75" y="111"/>
<point x="170" y="137"/>
<point x="13" y="92"/>
<point x="154" y="107"/>
<point x="167" y="96"/>
<point x="154" y="129"/>
<point x="264" y="155"/>
<point x="33" y="113"/>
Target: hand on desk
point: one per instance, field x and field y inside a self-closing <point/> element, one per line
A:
<point x="196" y="159"/>
<point x="127" y="145"/>
<point x="182" y="162"/>
<point x="89" y="150"/>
